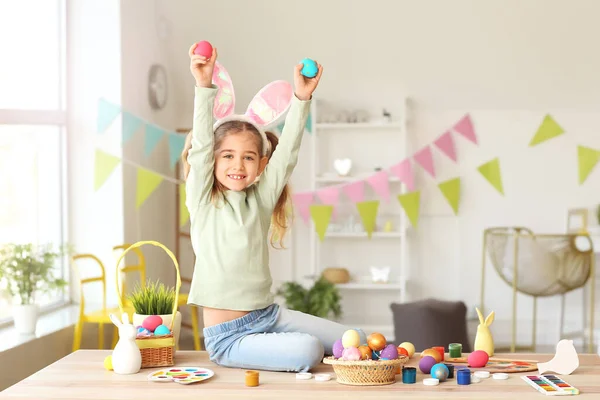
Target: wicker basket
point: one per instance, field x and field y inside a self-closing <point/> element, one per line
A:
<point x="156" y="351"/>
<point x="366" y="372"/>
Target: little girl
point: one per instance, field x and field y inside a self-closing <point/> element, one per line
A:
<point x="236" y="183"/>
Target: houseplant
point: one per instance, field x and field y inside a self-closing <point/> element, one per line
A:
<point x="26" y="272"/>
<point x="322" y="299"/>
<point x="154" y="298"/>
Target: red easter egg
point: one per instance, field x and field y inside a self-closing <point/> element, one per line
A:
<point x="204" y="49"/>
<point x="478" y="359"/>
<point x="402" y="350"/>
<point x="152" y="322"/>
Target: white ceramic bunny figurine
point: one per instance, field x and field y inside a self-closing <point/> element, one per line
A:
<point x="126" y="357"/>
<point x="484" y="340"/>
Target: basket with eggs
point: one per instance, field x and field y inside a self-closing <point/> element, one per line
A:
<point x="373" y="363"/>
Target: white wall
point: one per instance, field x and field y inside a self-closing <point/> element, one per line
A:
<point x="507" y="62"/>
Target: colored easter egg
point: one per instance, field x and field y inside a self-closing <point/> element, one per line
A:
<point x="309" y="68"/>
<point x="351" y="338"/>
<point x="151" y="322"/>
<point x="351" y="354"/>
<point x="389" y="352"/>
<point x="426" y="363"/>
<point x="375" y="355"/>
<point x="433" y="353"/>
<point x="161" y="330"/>
<point x="338" y="348"/>
<point x="403" y="351"/>
<point x="478" y="359"/>
<point x="365" y="352"/>
<point x="204" y="48"/>
<point x="440" y="371"/>
<point x="108" y="363"/>
<point x="376" y="341"/>
<point x="409" y="347"/>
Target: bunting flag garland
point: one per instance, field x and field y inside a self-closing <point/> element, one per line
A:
<point x="451" y="191"/>
<point x="176" y="145"/>
<point x="548" y="129"/>
<point x="403" y="170"/>
<point x="446" y="144"/>
<point x="380" y="184"/>
<point x="153" y="136"/>
<point x="307" y="125"/>
<point x="184" y="214"/>
<point x="355" y="191"/>
<point x="107" y="112"/>
<point x="491" y="172"/>
<point x="303" y="201"/>
<point x="587" y="159"/>
<point x="368" y="213"/>
<point x="321" y="215"/>
<point x="329" y="196"/>
<point x="104" y="166"/>
<point x="147" y="182"/>
<point x="131" y="124"/>
<point x="411" y="202"/>
<point x="425" y="160"/>
<point x="466" y="129"/>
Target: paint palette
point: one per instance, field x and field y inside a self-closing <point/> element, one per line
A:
<point x="550" y="385"/>
<point x="183" y="375"/>
<point x="495" y="365"/>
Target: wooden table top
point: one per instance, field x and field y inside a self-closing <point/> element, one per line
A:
<point x="81" y="375"/>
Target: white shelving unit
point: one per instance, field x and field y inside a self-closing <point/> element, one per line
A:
<point x="369" y="146"/>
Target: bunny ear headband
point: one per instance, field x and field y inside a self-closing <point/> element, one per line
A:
<point x="266" y="107"/>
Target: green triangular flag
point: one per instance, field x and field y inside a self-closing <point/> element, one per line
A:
<point x="368" y="214"/>
<point x="548" y="129"/>
<point x="588" y="158"/>
<point x="321" y="215"/>
<point x="451" y="191"/>
<point x="184" y="214"/>
<point x="410" y="202"/>
<point x="147" y="182"/>
<point x="491" y="172"/>
<point x="105" y="164"/>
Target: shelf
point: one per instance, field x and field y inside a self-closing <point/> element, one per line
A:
<point x="363" y="235"/>
<point x="342" y="179"/>
<point x="371" y="286"/>
<point x="358" y="125"/>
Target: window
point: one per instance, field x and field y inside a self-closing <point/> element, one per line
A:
<point x="33" y="129"/>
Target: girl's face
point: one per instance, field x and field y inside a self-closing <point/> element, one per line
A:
<point x="238" y="162"/>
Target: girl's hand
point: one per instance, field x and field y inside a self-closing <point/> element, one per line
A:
<point x="305" y="86"/>
<point x="202" y="67"/>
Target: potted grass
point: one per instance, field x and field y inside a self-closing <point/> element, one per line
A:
<point x="154" y="298"/>
<point x="322" y="299"/>
<point x="26" y="272"/>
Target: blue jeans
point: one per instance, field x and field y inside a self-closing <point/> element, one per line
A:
<point x="273" y="339"/>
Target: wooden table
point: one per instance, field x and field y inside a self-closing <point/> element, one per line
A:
<point x="81" y="375"/>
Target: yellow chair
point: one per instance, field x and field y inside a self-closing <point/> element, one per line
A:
<point x="141" y="268"/>
<point x="99" y="317"/>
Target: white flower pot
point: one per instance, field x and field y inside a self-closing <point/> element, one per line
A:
<point x="25" y="317"/>
<point x="139" y="318"/>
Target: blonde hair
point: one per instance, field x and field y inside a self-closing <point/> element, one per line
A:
<point x="282" y="213"/>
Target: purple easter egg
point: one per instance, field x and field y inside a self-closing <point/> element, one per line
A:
<point x="389" y="352"/>
<point x="426" y="363"/>
<point x="338" y="348"/>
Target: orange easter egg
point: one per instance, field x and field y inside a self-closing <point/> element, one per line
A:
<point x="402" y="350"/>
<point x="365" y="352"/>
<point x="376" y="341"/>
<point x="433" y="353"/>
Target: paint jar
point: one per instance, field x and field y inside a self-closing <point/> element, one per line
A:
<point x="455" y="350"/>
<point x="450" y="370"/>
<point x="409" y="375"/>
<point x="463" y="376"/>
<point x="251" y="378"/>
<point x="441" y="350"/>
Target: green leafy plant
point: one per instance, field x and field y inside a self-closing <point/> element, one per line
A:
<point x="28" y="270"/>
<point x="152" y="299"/>
<point x="322" y="299"/>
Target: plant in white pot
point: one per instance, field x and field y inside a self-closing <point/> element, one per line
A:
<point x="155" y="298"/>
<point x="26" y="272"/>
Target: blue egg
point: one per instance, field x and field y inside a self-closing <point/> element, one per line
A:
<point x="309" y="68"/>
<point x="440" y="371"/>
<point x="161" y="330"/>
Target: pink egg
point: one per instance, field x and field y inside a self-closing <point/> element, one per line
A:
<point x="152" y="322"/>
<point x="204" y="49"/>
<point x="338" y="348"/>
<point x="389" y="352"/>
<point x="478" y="359"/>
<point x="351" y="354"/>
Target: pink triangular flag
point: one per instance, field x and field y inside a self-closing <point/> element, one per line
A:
<point x="403" y="170"/>
<point x="329" y="195"/>
<point x="303" y="202"/>
<point x="446" y="144"/>
<point x="380" y="184"/>
<point x="355" y="191"/>
<point x="465" y="128"/>
<point x="425" y="160"/>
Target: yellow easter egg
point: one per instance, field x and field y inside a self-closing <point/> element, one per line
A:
<point x="408" y="346"/>
<point x="351" y="338"/>
<point x="108" y="363"/>
<point x="433" y="353"/>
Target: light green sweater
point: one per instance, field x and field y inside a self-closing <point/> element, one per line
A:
<point x="230" y="239"/>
